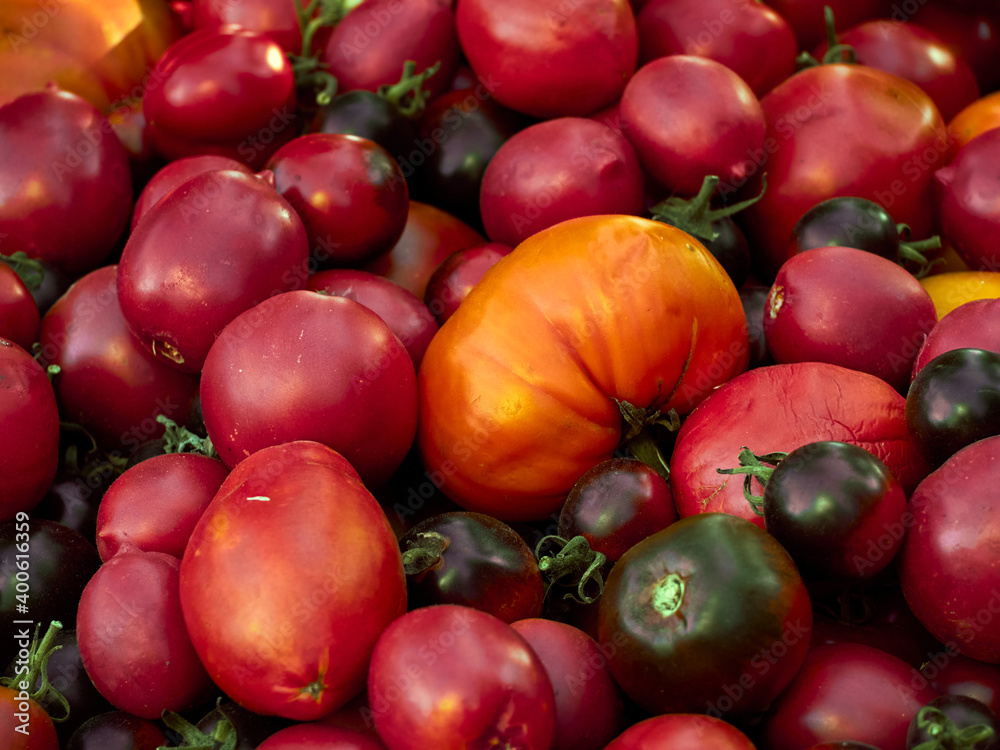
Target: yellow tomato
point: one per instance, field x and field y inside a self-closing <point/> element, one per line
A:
<point x="954" y="288"/>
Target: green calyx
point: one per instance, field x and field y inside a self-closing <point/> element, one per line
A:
<point x="30" y="270"/>
<point x="223" y="736"/>
<point x="752" y="465"/>
<point x="915" y="252"/>
<point x="179" y="439"/>
<point x="575" y="565"/>
<point x="696" y="215"/>
<point x="408" y="95"/>
<point x="638" y="434"/>
<point x="310" y="73"/>
<point x="835" y="51"/>
<point x="945" y="735"/>
<point x="35" y="668"/>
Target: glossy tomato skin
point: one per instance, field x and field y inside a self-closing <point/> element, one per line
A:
<point x="216" y="246"/>
<point x="615" y="505"/>
<point x="132" y="637"/>
<point x="452" y="677"/>
<point x="19" y="318"/>
<point x="277" y="20"/>
<point x="847" y="691"/>
<point x="555" y="170"/>
<point x="846" y="221"/>
<point x="976" y="324"/>
<point x="489" y="393"/>
<point x="80" y="192"/>
<point x="348" y="382"/>
<point x="689" y="117"/>
<point x="549" y="60"/>
<point x="948" y="568"/>
<point x="951" y="289"/>
<point x="838" y="130"/>
<point x="851" y="308"/>
<point x="473" y="560"/>
<point x="682" y="732"/>
<point x="224" y="90"/>
<point x="968" y="213"/>
<point x="710" y="615"/>
<point x="320" y="578"/>
<point x="407" y="316"/>
<point x="954" y="401"/>
<point x="954" y="674"/>
<point x="117" y="730"/>
<point x="817" y="401"/>
<point x="86" y="335"/>
<point x="749" y="38"/>
<point x="589" y="709"/>
<point x="454" y="278"/>
<point x="315" y="736"/>
<point x="155" y="504"/>
<point x="29" y="446"/>
<point x="349" y="192"/>
<point x="30" y="727"/>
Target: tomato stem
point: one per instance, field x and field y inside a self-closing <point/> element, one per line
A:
<point x="576" y="560"/>
<point x="223" y="737"/>
<point x="308" y="70"/>
<point x="835" y="51"/>
<point x="179" y="439"/>
<point x="752" y="465"/>
<point x="36" y="667"/>
<point x="424" y="552"/>
<point x="407" y="95"/>
<point x="915" y="251"/>
<point x="695" y="215"/>
<point x="30" y="270"/>
<point x="945" y="735"/>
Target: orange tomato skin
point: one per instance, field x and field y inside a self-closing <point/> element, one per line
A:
<point x="974" y="120"/>
<point x="520" y="388"/>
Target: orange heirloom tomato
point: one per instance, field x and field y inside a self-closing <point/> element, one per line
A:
<point x="520" y="390"/>
<point x="102" y="50"/>
<point x="978" y="117"/>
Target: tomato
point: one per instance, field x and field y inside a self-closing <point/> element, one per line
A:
<point x="850" y="308"/>
<point x="954" y="288"/>
<point x="278" y="19"/>
<point x="65" y="189"/>
<point x="216" y="246"/>
<point x="349" y="192"/>
<point x="155" y="504"/>
<point x="133" y="641"/>
<point x="948" y="569"/>
<point x="847" y="692"/>
<point x="682" y="732"/>
<point x="807" y="20"/>
<point x="836" y="130"/>
<point x="512" y="421"/>
<point x="30" y="728"/>
<point x="452" y="677"/>
<point x="689" y="117"/>
<point x="970" y="29"/>
<point x="557" y="170"/>
<point x="953" y="719"/>
<point x="347" y="382"/>
<point x="953" y="674"/>
<point x="975" y="119"/>
<point x="117" y="730"/>
<point x="19" y="318"/>
<point x="815" y="401"/>
<point x="29" y="446"/>
<point x="319" y="737"/>
<point x="108" y="382"/>
<point x="754" y="299"/>
<point x="455" y="276"/>
<point x="709" y="615"/>
<point x="751" y="39"/>
<point x="289" y="578"/>
<point x="550" y="59"/>
<point x="224" y="90"/>
<point x="103" y="51"/>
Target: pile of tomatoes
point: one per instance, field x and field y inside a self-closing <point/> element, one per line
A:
<point x="535" y="375"/>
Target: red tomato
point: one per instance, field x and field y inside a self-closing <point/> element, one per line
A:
<point x="951" y="673"/>
<point x="132" y="637"/>
<point x="289" y="578"/>
<point x="550" y="58"/>
<point x="948" y="568"/>
<point x="454" y="278"/>
<point x="19" y="318"/>
<point x="346" y="381"/>
<point x="807" y="20"/>
<point x="682" y="732"/>
<point x="838" y="130"/>
<point x="319" y="737"/>
<point x="29" y="442"/>
<point x="25" y="723"/>
<point x="277" y="19"/>
<point x="452" y="677"/>
<point x="975" y="324"/>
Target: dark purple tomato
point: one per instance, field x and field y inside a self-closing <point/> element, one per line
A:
<point x="44" y="568"/>
<point x="65" y="187"/>
<point x="454" y="278"/>
<point x="954" y="401"/>
<point x="368" y="115"/>
<point x="349" y="192"/>
<point x="474" y="560"/>
<point x="117" y="730"/>
<point x="954" y="674"/>
<point x="407" y="316"/>
<point x="754" y="298"/>
<point x="74" y="496"/>
<point x="954" y="721"/>
<point x="847" y="221"/>
<point x="616" y="505"/>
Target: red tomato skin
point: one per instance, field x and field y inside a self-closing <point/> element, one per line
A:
<point x="435" y="657"/>
<point x="589" y="709"/>
<point x="275" y="18"/>
<point x="547" y="59"/>
<point x="454" y="278"/>
<point x="132" y="637"/>
<point x="319" y="737"/>
<point x="806" y="16"/>
<point x="847" y="690"/>
<point x="319" y="571"/>
<point x="155" y="504"/>
<point x="816" y="401"/>
<point x="682" y="732"/>
<point x="348" y="382"/>
<point x="953" y="674"/>
<point x="19" y="318"/>
<point x="368" y="48"/>
<point x="949" y="569"/>
<point x="30" y="729"/>
<point x="689" y="117"/>
<point x="86" y="335"/>
<point x="749" y="38"/>
<point x="29" y="442"/>
<point x="208" y="251"/>
<point x="839" y="130"/>
<point x="556" y="170"/>
<point x="976" y="324"/>
<point x="850" y="308"/>
<point x="65" y="188"/>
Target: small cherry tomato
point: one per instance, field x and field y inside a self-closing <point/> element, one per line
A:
<point x="454" y="278"/>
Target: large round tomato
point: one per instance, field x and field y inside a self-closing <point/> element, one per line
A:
<point x="524" y="388"/>
<point x="289" y="578"/>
